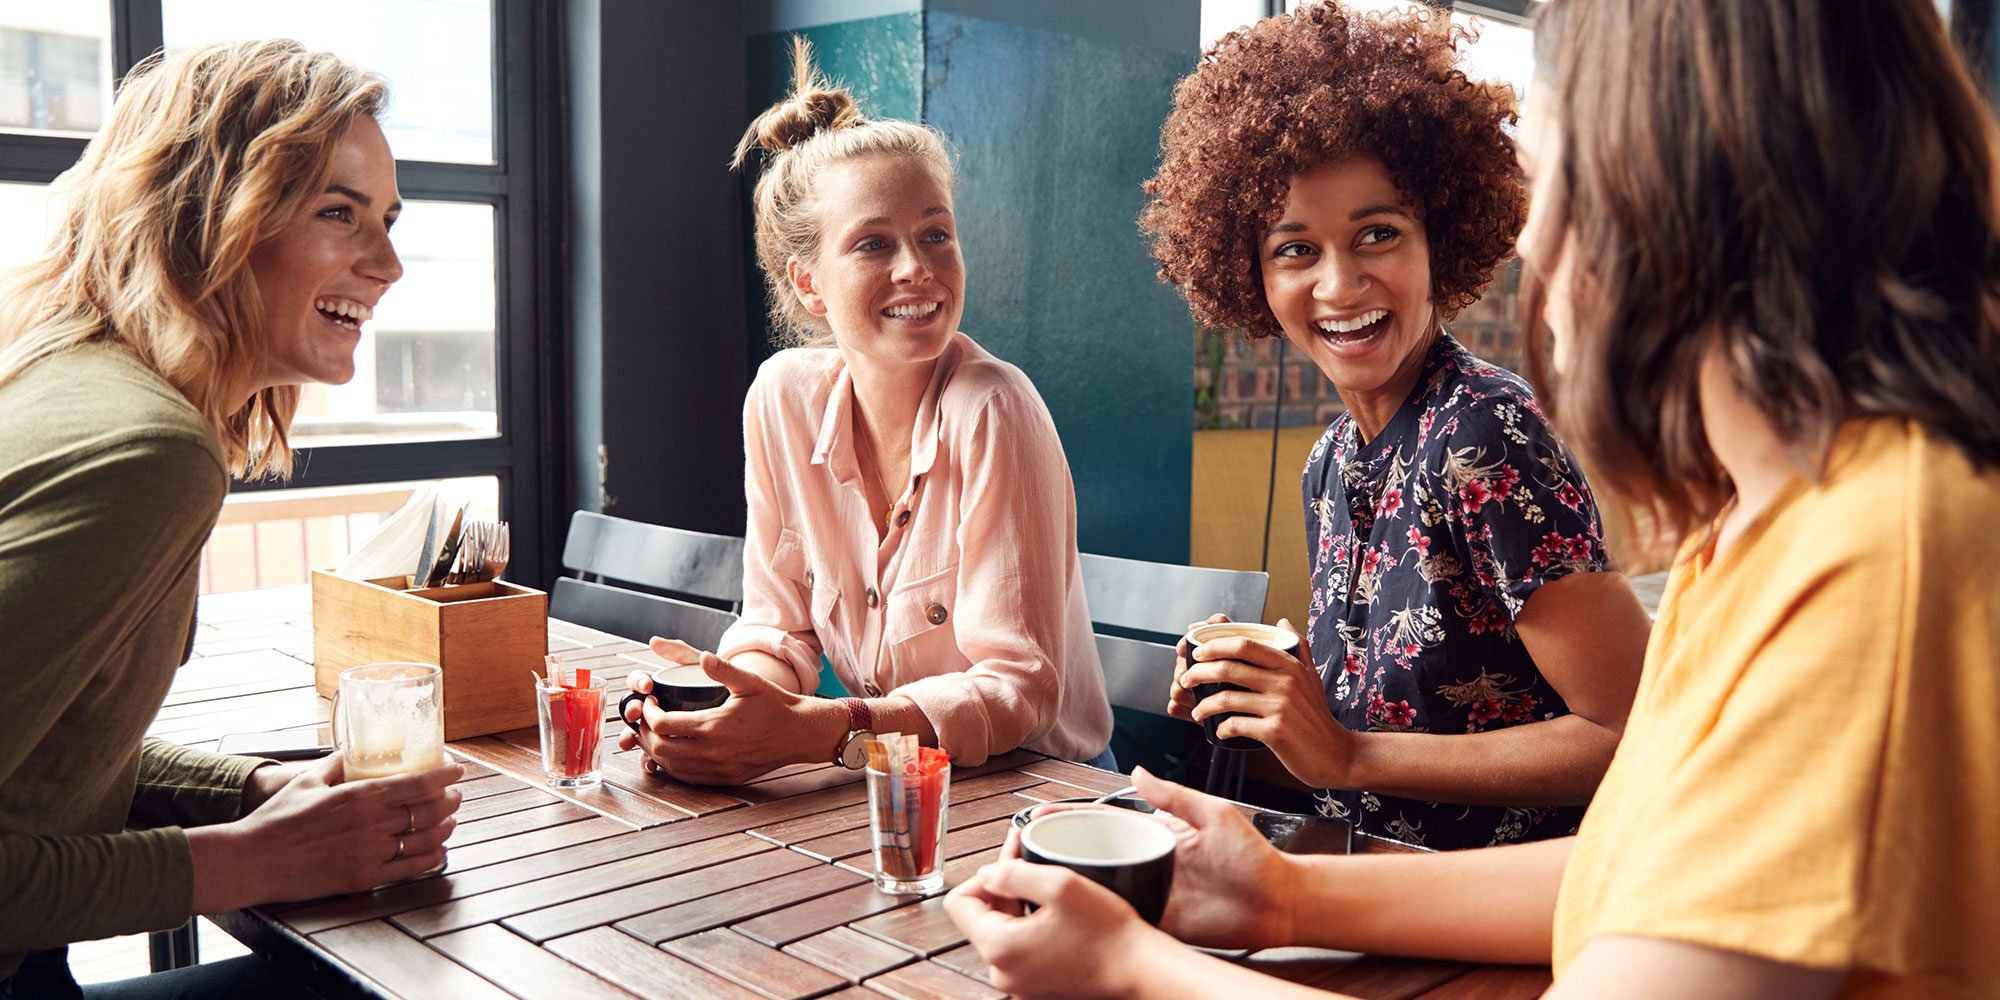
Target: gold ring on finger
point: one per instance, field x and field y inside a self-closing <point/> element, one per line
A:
<point x="412" y="827"/>
<point x="399" y="850"/>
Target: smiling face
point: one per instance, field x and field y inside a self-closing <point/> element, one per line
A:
<point x="1347" y="274"/>
<point x="887" y="276"/>
<point x="319" y="278"/>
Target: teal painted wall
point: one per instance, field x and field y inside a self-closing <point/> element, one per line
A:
<point x="878" y="59"/>
<point x="1055" y="133"/>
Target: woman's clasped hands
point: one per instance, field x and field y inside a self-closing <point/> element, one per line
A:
<point x="757" y="730"/>
<point x="1231" y="889"/>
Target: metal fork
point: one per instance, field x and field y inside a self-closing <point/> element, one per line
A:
<point x="482" y="554"/>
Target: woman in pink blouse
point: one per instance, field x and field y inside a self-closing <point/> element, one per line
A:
<point x="910" y="509"/>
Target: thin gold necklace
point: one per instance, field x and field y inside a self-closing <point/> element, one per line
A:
<point x="889" y="515"/>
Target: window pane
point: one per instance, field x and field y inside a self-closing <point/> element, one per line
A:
<point x="424" y="370"/>
<point x="26" y="219"/>
<point x="55" y="66"/>
<point x="436" y="54"/>
<point x="276" y="538"/>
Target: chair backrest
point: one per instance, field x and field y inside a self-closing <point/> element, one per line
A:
<point x="1161" y="598"/>
<point x="1167" y="598"/>
<point x="695" y="563"/>
<point x="634" y="615"/>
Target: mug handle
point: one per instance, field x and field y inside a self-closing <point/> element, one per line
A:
<point x="333" y="722"/>
<point x="627" y="700"/>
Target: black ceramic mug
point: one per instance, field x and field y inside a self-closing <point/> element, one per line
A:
<point x="1282" y="640"/>
<point x="682" y="688"/>
<point x="1125" y="851"/>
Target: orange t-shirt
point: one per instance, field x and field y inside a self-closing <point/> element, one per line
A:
<point x="1811" y="770"/>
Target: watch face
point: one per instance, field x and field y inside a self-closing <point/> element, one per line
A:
<point x="854" y="753"/>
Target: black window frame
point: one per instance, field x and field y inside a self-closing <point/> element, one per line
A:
<point x="523" y="188"/>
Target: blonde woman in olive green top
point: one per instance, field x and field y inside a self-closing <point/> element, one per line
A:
<point x="237" y="204"/>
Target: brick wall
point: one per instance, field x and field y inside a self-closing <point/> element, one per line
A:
<point x="1236" y="380"/>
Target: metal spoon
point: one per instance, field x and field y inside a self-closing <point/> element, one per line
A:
<point x="1119" y="794"/>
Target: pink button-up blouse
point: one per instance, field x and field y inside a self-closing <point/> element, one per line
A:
<point x="972" y="605"/>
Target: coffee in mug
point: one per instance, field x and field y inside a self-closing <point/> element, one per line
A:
<point x="682" y="688"/>
<point x="1125" y="851"/>
<point x="1282" y="640"/>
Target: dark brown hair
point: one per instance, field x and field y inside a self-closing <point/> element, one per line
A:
<point x="1807" y="188"/>
<point x="1320" y="84"/>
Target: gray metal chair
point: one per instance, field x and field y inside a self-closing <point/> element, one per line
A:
<point x="693" y="564"/>
<point x="1163" y="599"/>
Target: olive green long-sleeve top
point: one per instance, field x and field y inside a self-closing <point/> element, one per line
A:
<point x="110" y="482"/>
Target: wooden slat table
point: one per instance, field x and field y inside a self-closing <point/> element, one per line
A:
<point x="648" y="887"/>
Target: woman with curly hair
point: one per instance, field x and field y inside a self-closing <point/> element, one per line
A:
<point x="1335" y="179"/>
<point x="1762" y="243"/>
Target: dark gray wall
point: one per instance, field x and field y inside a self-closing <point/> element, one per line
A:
<point x="657" y="300"/>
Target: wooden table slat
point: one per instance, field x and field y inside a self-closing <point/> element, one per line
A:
<point x="403" y="964"/>
<point x="644" y="969"/>
<point x="492" y="784"/>
<point x="610" y="799"/>
<point x="931" y="981"/>
<point x="617" y="904"/>
<point x="503" y="803"/>
<point x="850" y="953"/>
<point x="522" y="968"/>
<point x="540" y="817"/>
<point x="739" y="904"/>
<point x="761" y="968"/>
<point x="923" y="928"/>
<point x="1494" y="982"/>
<point x="784" y="926"/>
<point x="294" y="698"/>
<point x="1082" y="776"/>
<point x="455" y="885"/>
<point x="965" y="960"/>
<point x="589" y="637"/>
<point x="500" y="904"/>
<point x="521" y="845"/>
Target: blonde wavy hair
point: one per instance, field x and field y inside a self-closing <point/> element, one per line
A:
<point x="208" y="153"/>
<point x="818" y="126"/>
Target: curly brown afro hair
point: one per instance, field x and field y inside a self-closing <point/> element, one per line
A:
<point x="1320" y="84"/>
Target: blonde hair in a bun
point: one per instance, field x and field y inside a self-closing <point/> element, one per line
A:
<point x="817" y="126"/>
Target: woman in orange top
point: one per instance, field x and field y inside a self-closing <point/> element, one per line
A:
<point x="1766" y="232"/>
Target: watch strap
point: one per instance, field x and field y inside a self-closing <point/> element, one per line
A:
<point x="860" y="718"/>
<point x="860" y="723"/>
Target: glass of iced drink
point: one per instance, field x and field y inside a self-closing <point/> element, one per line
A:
<point x="388" y="718"/>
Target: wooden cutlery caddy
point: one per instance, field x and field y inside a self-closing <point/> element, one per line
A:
<point x="486" y="637"/>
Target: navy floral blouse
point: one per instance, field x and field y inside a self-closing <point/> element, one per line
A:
<point x="1425" y="544"/>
